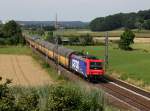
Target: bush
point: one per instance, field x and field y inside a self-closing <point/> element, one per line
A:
<point x="7" y="99"/>
<point x="63" y="98"/>
<point x="28" y="101"/>
<point x="73" y="40"/>
<point x="53" y="98"/>
<point x="93" y="102"/>
<point x="22" y="102"/>
<point x="126" y="39"/>
<point x="68" y="98"/>
<point x="81" y="40"/>
<point x="146" y="24"/>
<point x="86" y="39"/>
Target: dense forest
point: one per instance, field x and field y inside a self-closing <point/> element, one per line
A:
<point x="132" y="20"/>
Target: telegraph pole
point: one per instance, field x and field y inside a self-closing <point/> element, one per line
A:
<point x="56" y="43"/>
<point x="106" y="50"/>
<point x="56" y="22"/>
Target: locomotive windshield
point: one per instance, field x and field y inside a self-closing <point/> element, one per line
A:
<point x="96" y="65"/>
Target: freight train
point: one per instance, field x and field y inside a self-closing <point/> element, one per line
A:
<point x="87" y="66"/>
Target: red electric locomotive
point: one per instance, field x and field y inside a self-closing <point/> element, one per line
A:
<point x="89" y="66"/>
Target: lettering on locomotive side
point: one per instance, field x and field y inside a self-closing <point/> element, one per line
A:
<point x="75" y="64"/>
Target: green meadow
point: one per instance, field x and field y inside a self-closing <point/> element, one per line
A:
<point x="129" y="64"/>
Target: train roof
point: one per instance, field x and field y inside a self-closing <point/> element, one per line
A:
<point x="39" y="41"/>
<point x="85" y="56"/>
<point x="63" y="51"/>
<point x="48" y="45"/>
<point x="60" y="49"/>
<point x="34" y="37"/>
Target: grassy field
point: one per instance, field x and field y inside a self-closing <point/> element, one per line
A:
<point x="115" y="33"/>
<point x="130" y="64"/>
<point x="21" y="50"/>
<point x="58" y="80"/>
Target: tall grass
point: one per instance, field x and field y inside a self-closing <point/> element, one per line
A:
<point x="64" y="97"/>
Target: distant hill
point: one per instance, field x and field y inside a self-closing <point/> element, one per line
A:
<point x="66" y="24"/>
<point x="131" y="20"/>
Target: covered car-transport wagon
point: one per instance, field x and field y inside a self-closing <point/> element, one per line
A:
<point x="62" y="55"/>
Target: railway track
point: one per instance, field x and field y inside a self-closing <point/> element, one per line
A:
<point x="128" y="86"/>
<point x="119" y="93"/>
<point x="136" y="101"/>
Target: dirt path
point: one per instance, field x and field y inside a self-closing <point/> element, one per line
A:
<point x="23" y="70"/>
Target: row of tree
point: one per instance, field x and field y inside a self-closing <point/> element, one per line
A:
<point x="11" y="34"/>
<point x="78" y="40"/>
<point x="128" y="20"/>
<point x="126" y="39"/>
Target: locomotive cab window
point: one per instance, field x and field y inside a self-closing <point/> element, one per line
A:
<point x="96" y="65"/>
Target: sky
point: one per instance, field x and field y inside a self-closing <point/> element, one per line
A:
<point x="67" y="10"/>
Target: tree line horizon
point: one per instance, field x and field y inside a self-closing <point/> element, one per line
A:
<point x="131" y="20"/>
